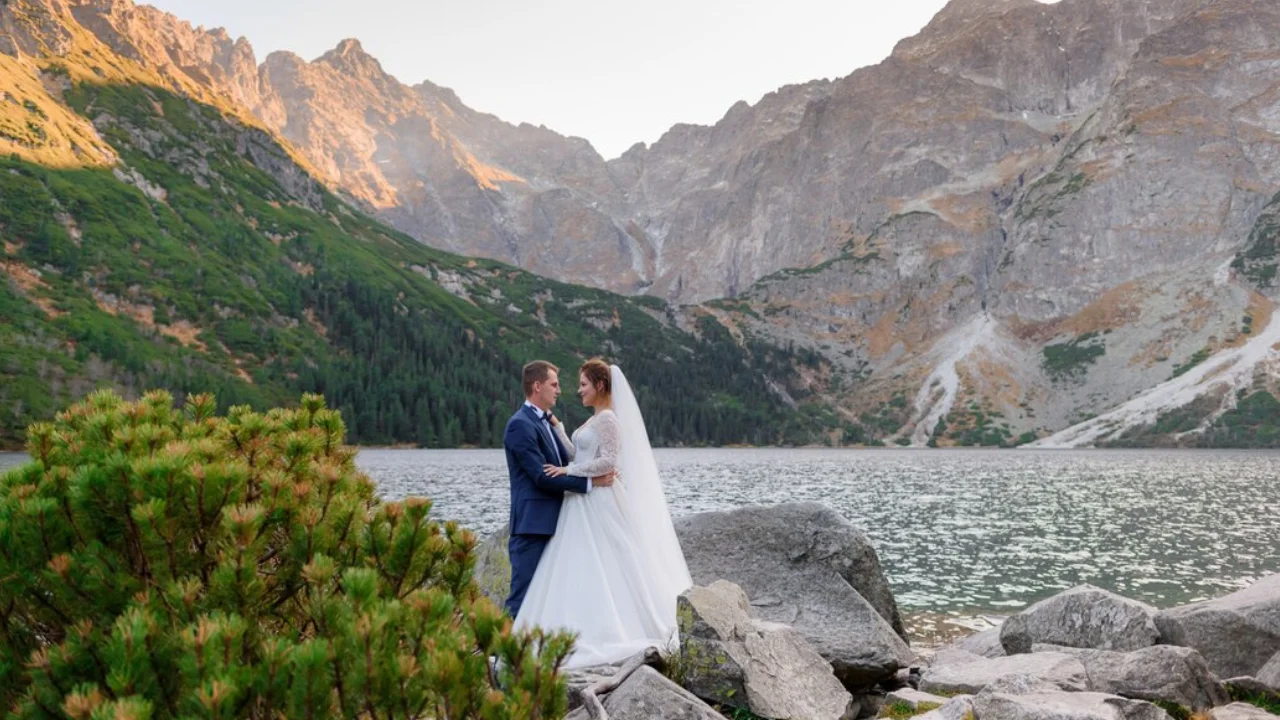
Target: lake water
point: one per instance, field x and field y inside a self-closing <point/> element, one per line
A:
<point x="958" y="531"/>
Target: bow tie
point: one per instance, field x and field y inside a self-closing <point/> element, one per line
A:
<point x="542" y="415"/>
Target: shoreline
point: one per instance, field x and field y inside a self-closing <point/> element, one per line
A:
<point x="885" y="448"/>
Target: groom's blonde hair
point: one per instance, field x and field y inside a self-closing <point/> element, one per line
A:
<point x="536" y="372"/>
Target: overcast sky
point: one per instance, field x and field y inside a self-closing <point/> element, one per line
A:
<point x="615" y="73"/>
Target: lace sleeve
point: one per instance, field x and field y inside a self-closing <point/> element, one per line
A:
<point x="606" y="459"/>
<point x="565" y="441"/>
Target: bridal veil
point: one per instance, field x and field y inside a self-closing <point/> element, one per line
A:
<point x="646" y="506"/>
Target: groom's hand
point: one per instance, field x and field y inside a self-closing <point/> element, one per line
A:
<point x="604" y="480"/>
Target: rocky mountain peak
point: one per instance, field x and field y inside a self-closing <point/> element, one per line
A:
<point x="958" y="17"/>
<point x="432" y="92"/>
<point x="348" y="47"/>
<point x="283" y="59"/>
<point x="962" y="11"/>
<point x="349" y="56"/>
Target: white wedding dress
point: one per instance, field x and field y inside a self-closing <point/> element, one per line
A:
<point x="613" y="570"/>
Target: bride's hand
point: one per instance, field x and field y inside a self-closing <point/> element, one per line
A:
<point x="553" y="471"/>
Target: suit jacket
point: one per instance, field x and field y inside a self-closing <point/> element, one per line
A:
<point x="535" y="496"/>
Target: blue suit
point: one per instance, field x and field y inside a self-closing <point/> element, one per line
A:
<point x="535" y="496"/>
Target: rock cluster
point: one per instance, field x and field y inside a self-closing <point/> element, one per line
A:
<point x="753" y="643"/>
<point x="1088" y="653"/>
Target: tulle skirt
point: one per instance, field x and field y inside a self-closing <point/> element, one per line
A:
<point x="595" y="579"/>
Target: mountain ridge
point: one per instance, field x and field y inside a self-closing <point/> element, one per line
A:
<point x="1023" y="217"/>
<point x="199" y="255"/>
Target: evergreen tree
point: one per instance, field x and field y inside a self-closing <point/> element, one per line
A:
<point x="167" y="563"/>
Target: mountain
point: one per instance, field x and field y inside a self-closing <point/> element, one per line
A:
<point x="415" y="157"/>
<point x="1081" y="243"/>
<point x="155" y="233"/>
<point x="1031" y="222"/>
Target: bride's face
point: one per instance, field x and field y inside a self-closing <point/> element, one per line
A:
<point x="586" y="391"/>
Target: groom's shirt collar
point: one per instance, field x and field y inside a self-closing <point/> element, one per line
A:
<point x="536" y="410"/>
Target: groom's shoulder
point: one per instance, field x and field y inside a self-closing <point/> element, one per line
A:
<point x="518" y="417"/>
<point x="518" y="425"/>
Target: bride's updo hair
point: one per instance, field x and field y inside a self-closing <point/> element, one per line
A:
<point x="598" y="374"/>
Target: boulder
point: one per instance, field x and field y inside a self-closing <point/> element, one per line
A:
<point x="985" y="643"/>
<point x="704" y="665"/>
<point x="1237" y="634"/>
<point x="1240" y="711"/>
<point x="1161" y="672"/>
<point x="706" y="669"/>
<point x="1252" y="688"/>
<point x="580" y="679"/>
<point x="1020" y="684"/>
<point x="729" y="657"/>
<point x="1269" y="675"/>
<point x="493" y="566"/>
<point x="805" y="566"/>
<point x="959" y="707"/>
<point x="787" y="678"/>
<point x="956" y="671"/>
<point x="647" y="695"/>
<point x="1042" y="704"/>
<point x="914" y="699"/>
<point x="1083" y="617"/>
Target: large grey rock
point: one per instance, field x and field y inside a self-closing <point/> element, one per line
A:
<point x="709" y="671"/>
<point x="493" y="566"/>
<point x="580" y="679"/>
<point x="1057" y="705"/>
<point x="959" y="707"/>
<point x="1237" y="634"/>
<point x="985" y="643"/>
<point x="1162" y="672"/>
<point x="1084" y="617"/>
<point x="1240" y="711"/>
<point x="1269" y="675"/>
<point x="705" y="667"/>
<point x="1020" y="684"/>
<point x="956" y="671"/>
<point x="731" y="658"/>
<point x="1250" y="687"/>
<point x="803" y="565"/>
<point x="914" y="698"/>
<point x="647" y="695"/>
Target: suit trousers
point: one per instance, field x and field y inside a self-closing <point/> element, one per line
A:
<point x="525" y="551"/>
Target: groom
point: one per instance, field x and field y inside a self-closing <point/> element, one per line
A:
<point x="531" y="444"/>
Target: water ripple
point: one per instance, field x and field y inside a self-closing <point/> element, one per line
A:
<point x="961" y="530"/>
<point x="965" y="531"/>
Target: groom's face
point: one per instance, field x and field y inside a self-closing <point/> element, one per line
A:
<point x="546" y="392"/>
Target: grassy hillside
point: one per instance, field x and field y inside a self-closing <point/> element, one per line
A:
<point x="208" y="260"/>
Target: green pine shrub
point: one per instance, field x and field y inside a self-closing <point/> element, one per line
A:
<point x="158" y="562"/>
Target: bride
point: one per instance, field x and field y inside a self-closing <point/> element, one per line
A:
<point x="614" y="568"/>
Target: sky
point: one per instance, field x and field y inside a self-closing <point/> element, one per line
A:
<point x="614" y="73"/>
